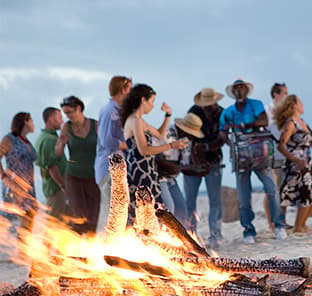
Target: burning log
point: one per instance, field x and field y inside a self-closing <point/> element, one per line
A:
<point x="180" y="232"/>
<point x="295" y="267"/>
<point x="145" y="211"/>
<point x="118" y="214"/>
<point x="25" y="289"/>
<point x="167" y="248"/>
<point x="144" y="267"/>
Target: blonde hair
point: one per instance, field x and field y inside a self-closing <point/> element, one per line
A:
<point x="284" y="110"/>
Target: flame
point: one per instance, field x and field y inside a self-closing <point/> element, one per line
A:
<point x="55" y="251"/>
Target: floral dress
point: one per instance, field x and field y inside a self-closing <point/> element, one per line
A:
<point x="296" y="188"/>
<point x="141" y="170"/>
<point x="20" y="160"/>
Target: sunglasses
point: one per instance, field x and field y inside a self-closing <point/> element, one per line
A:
<point x="70" y="101"/>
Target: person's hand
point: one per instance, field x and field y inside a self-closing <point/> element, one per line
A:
<point x="180" y="144"/>
<point x="301" y="164"/>
<point x="165" y="108"/>
<point x="64" y="137"/>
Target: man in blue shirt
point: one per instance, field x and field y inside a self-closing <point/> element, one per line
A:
<point x="249" y="114"/>
<point x="110" y="140"/>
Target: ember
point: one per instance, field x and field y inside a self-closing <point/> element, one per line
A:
<point x="156" y="256"/>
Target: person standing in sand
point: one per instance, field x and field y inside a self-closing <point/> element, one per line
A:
<point x="295" y="143"/>
<point x="249" y="114"/>
<point x="278" y="92"/>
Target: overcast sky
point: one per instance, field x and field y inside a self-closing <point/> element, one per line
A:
<point x="51" y="49"/>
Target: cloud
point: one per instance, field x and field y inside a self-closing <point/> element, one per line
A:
<point x="10" y="75"/>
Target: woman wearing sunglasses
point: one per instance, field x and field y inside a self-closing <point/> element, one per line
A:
<point x="80" y="136"/>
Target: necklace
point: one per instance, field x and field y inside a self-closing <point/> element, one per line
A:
<point x="80" y="127"/>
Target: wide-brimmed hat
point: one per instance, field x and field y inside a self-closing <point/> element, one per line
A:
<point x="191" y="124"/>
<point x="207" y="97"/>
<point x="229" y="88"/>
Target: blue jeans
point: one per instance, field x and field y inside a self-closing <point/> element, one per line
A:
<point x="243" y="184"/>
<point x="213" y="185"/>
<point x="171" y="193"/>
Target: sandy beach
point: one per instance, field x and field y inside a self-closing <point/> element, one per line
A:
<point x="265" y="247"/>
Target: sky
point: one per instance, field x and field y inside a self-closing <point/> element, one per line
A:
<point x="52" y="49"/>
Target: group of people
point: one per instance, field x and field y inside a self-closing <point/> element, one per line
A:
<point x="81" y="186"/>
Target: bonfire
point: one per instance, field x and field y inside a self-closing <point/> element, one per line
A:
<point x="154" y="256"/>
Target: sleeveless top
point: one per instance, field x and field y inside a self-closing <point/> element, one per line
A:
<point x="296" y="188"/>
<point x="141" y="170"/>
<point x="20" y="160"/>
<point x="82" y="153"/>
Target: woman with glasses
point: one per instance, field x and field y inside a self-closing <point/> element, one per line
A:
<point x="18" y="178"/>
<point x="140" y="156"/>
<point x="80" y="136"/>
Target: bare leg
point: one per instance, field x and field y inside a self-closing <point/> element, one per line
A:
<point x="300" y="219"/>
<point x="308" y="213"/>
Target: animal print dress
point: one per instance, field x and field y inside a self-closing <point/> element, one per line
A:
<point x="296" y="188"/>
<point x="141" y="170"/>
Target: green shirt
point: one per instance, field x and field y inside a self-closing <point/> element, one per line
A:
<point x="82" y="153"/>
<point x="46" y="157"/>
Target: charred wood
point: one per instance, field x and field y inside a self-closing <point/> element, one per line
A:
<point x="146" y="221"/>
<point x="180" y="232"/>
<point x="25" y="289"/>
<point x="144" y="267"/>
<point x="295" y="267"/>
<point x="118" y="214"/>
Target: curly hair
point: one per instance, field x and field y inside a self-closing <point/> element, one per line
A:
<point x="134" y="99"/>
<point x="284" y="110"/>
<point x="18" y="122"/>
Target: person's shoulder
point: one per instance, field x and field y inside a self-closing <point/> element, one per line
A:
<point x="254" y="101"/>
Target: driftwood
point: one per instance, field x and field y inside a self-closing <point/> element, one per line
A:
<point x="146" y="220"/>
<point x="180" y="232"/>
<point x="25" y="289"/>
<point x="118" y="214"/>
<point x="144" y="267"/>
<point x="294" y="267"/>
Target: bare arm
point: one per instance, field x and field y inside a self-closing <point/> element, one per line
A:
<point x="161" y="131"/>
<point x="122" y="146"/>
<point x="288" y="131"/>
<point x="5" y="147"/>
<point x="62" y="140"/>
<point x="138" y="126"/>
<point x="56" y="176"/>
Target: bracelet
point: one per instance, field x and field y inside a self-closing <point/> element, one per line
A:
<point x="167" y="114"/>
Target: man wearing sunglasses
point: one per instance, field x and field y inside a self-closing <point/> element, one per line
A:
<point x="110" y="140"/>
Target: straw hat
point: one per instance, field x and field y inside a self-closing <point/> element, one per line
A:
<point x="207" y="97"/>
<point x="229" y="88"/>
<point x="190" y="124"/>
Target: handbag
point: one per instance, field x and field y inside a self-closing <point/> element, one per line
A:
<point x="166" y="168"/>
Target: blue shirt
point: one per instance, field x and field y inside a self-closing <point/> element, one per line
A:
<point x="231" y="115"/>
<point x="110" y="134"/>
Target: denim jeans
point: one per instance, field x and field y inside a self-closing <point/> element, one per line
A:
<point x="213" y="186"/>
<point x="243" y="184"/>
<point x="171" y="187"/>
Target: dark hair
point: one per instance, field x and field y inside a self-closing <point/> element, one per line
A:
<point x="277" y="88"/>
<point x="18" y="122"/>
<point x="72" y="101"/>
<point x="117" y="84"/>
<point x="47" y="112"/>
<point x="134" y="99"/>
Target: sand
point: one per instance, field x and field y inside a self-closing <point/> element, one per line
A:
<point x="265" y="247"/>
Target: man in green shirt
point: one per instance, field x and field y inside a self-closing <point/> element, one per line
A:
<point x="52" y="167"/>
